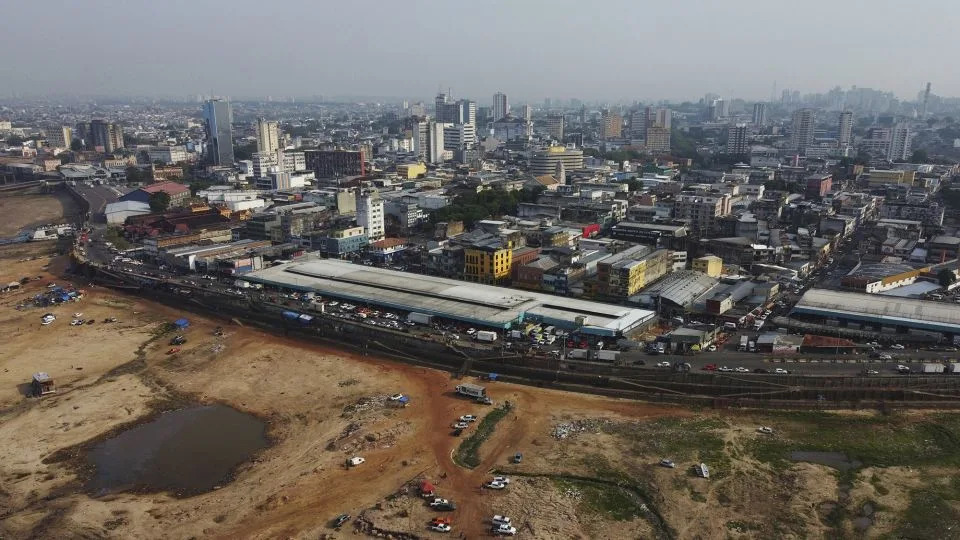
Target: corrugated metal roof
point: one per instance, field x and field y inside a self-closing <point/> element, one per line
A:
<point x="884" y="309"/>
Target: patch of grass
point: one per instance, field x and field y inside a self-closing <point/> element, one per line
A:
<point x="931" y="513"/>
<point x="468" y="453"/>
<point x="742" y="526"/>
<point x="612" y="502"/>
<point x="877" y="486"/>
<point x="696" y="496"/>
<point x="675" y="438"/>
<point x="879" y="441"/>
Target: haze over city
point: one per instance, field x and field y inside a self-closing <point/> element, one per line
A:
<point x="615" y="50"/>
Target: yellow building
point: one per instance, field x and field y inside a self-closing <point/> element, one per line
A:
<point x="710" y="265"/>
<point x="880" y="178"/>
<point x="487" y="264"/>
<point x="411" y="170"/>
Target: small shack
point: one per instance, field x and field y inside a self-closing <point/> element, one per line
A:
<point x="181" y="324"/>
<point x="43" y="384"/>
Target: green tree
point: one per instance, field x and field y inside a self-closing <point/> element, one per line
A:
<point x="159" y="201"/>
<point x="946" y="277"/>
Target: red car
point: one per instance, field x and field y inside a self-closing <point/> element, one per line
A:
<point x="710" y="367"/>
<point x="174" y="350"/>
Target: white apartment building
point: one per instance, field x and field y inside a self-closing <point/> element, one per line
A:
<point x="370" y="215"/>
<point x="268" y="136"/>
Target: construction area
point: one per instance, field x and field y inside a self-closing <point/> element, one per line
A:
<point x="291" y="438"/>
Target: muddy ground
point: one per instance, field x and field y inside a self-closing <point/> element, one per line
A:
<point x="590" y="467"/>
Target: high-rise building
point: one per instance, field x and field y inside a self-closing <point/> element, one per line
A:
<point x="459" y="136"/>
<point x="657" y="140"/>
<point x="899" y="143"/>
<point x="435" y="150"/>
<point x="737" y="141"/>
<point x="701" y="211"/>
<point x="60" y="137"/>
<point x="218" y="116"/>
<point x="462" y="111"/>
<point x="554" y="126"/>
<point x="759" y="114"/>
<point x="845" y="130"/>
<point x="370" y="215"/>
<point x="662" y="118"/>
<point x="721" y="109"/>
<point x="804" y="122"/>
<point x="439" y="106"/>
<point x="501" y="107"/>
<point x="268" y="136"/>
<point x="102" y="136"/>
<point x="611" y="125"/>
<point x="527" y="113"/>
<point x="335" y="163"/>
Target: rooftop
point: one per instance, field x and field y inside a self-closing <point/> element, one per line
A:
<point x="881" y="309"/>
<point x="481" y="304"/>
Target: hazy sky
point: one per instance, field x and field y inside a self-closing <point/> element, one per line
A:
<point x="606" y="49"/>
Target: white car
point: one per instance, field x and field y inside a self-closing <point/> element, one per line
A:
<point x="501" y="479"/>
<point x="668" y="463"/>
<point x="741" y="369"/>
<point x="495" y="485"/>
<point x="500" y="520"/>
<point x="506" y="530"/>
<point x="781" y="371"/>
<point x="663" y="364"/>
<point x="77" y="315"/>
<point x="461" y="425"/>
<point x="471" y="331"/>
<point x="885" y="357"/>
<point x="396" y="397"/>
<point x="468" y="418"/>
<point x="712" y="348"/>
<point x="356" y="460"/>
<point x="897" y="347"/>
<point x="441" y="527"/>
<point x="766" y="430"/>
<point x="724" y="369"/>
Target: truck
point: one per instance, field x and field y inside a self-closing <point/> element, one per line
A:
<point x="955" y="368"/>
<point x="471" y="390"/>
<point x="516" y="334"/>
<point x="577" y="354"/>
<point x="752" y="346"/>
<point x="932" y="368"/>
<point x="241" y="284"/>
<point x="608" y="356"/>
<point x="486" y="335"/>
<point x="744" y="341"/>
<point x="420" y="318"/>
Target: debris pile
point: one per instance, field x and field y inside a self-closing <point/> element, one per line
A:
<point x="568" y="429"/>
<point x="365" y="404"/>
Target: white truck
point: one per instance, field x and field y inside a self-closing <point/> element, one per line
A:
<point x="471" y="390"/>
<point x="420" y="318"/>
<point x="744" y="340"/>
<point x="516" y="334"/>
<point x="577" y="354"/>
<point x="932" y="368"/>
<point x="241" y="284"/>
<point x="608" y="356"/>
<point x="486" y="335"/>
<point x="955" y="368"/>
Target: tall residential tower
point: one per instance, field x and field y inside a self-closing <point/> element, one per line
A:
<point x="217" y="115"/>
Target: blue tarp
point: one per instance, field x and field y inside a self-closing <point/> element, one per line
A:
<point x="404" y="400"/>
<point x="492" y="376"/>
<point x="181" y="323"/>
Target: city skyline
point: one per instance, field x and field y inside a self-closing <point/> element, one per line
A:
<point x="182" y="55"/>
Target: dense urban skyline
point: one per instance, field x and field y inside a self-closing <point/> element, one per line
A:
<point x="620" y="51"/>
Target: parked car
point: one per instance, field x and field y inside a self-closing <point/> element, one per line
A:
<point x="766" y="430"/>
<point x="518" y="457"/>
<point x="781" y="371"/>
<point x="712" y="348"/>
<point x="709" y="367"/>
<point x="468" y="418"/>
<point x="667" y="463"/>
<point x="501" y="479"/>
<point x="461" y="425"/>
<point x="505" y="530"/>
<point x="495" y="485"/>
<point x="663" y="364"/>
<point x="500" y="520"/>
<point x="725" y="369"/>
<point x="442" y="504"/>
<point x="340" y="520"/>
<point x="741" y="369"/>
<point x="440" y="527"/>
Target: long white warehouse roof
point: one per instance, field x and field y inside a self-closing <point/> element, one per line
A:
<point x="469" y="302"/>
<point x="892" y="311"/>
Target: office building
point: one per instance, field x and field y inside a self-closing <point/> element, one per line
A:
<point x="101" y="136"/>
<point x="802" y="137"/>
<point x="554" y="126"/>
<point x="738" y="140"/>
<point x="167" y="155"/>
<point x="720" y="109"/>
<point x="527" y="113"/>
<point x="501" y="107"/>
<point x="899" y="143"/>
<point x="370" y="215"/>
<point x="702" y="211"/>
<point x="611" y="125"/>
<point x="546" y="161"/>
<point x="459" y="136"/>
<point x="657" y="140"/>
<point x="435" y="150"/>
<point x="662" y="118"/>
<point x="335" y="163"/>
<point x="462" y="111"/>
<point x="439" y="106"/>
<point x="845" y="130"/>
<point x="60" y="137"/>
<point x="218" y="116"/>
<point x="268" y="136"/>
<point x="759" y="114"/>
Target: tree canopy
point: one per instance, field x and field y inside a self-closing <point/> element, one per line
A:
<point x="473" y="207"/>
<point x="946" y="277"/>
<point x="159" y="201"/>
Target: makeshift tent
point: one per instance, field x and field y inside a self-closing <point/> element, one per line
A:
<point x="181" y="323"/>
<point x="426" y="488"/>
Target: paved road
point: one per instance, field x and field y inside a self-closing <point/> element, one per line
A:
<point x="98" y="196"/>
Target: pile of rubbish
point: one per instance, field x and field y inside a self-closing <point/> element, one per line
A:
<point x="568" y="429"/>
<point x="366" y="404"/>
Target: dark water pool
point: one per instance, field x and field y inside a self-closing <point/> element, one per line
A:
<point x="185" y="451"/>
<point x="837" y="460"/>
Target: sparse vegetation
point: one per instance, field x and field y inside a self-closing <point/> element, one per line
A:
<point x="613" y="502"/>
<point x="468" y="454"/>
